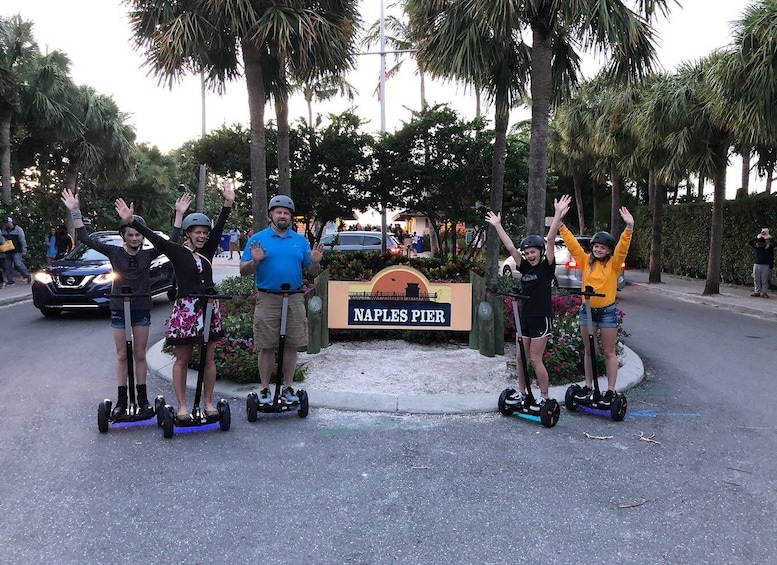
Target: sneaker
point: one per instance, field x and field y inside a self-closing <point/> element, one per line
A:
<point x="583" y="393"/>
<point x="756" y="294"/>
<point x="29" y="279"/>
<point x="539" y="401"/>
<point x="10" y="283"/>
<point x="515" y="399"/>
<point x="765" y="295"/>
<point x="289" y="396"/>
<point x="265" y="397"/>
<point x="608" y="397"/>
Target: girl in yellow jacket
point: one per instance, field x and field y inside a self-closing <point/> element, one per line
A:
<point x="600" y="269"/>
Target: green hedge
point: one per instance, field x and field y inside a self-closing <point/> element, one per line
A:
<point x="686" y="237"/>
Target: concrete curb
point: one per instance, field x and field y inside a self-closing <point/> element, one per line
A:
<point x="630" y="374"/>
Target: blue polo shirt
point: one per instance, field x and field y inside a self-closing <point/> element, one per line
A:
<point x="285" y="257"/>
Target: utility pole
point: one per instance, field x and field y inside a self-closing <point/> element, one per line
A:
<point x="382" y="83"/>
<point x="199" y="202"/>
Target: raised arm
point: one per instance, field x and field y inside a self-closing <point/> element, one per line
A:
<point x="560" y="208"/>
<point x="496" y="221"/>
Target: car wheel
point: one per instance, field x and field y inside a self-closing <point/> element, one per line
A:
<point x="506" y="271"/>
<point x="50" y="312"/>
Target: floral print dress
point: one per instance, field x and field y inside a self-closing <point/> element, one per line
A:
<point x="187" y="319"/>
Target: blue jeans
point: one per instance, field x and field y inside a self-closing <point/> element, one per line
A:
<point x="605" y="317"/>
<point x="15" y="260"/>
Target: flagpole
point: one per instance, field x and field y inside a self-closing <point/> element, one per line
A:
<point x="382" y="86"/>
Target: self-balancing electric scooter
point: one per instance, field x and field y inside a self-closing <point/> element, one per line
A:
<point x="199" y="416"/>
<point x="595" y="400"/>
<point x="509" y="401"/>
<point x="133" y="412"/>
<point x="279" y="404"/>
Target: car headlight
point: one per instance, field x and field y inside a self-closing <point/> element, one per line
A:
<point x="43" y="277"/>
<point x="105" y="279"/>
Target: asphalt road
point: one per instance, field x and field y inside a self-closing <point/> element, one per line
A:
<point x="687" y="477"/>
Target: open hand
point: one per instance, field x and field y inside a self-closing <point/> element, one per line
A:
<point x="183" y="203"/>
<point x="228" y="190"/>
<point x="70" y="200"/>
<point x="125" y="212"/>
<point x="627" y="217"/>
<point x="317" y="253"/>
<point x="561" y="205"/>
<point x="494" y="219"/>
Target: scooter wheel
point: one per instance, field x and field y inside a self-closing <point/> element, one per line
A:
<point x="159" y="406"/>
<point x="103" y="409"/>
<point x="252" y="404"/>
<point x="505" y="408"/>
<point x="168" y="421"/>
<point x="225" y="415"/>
<point x="303" y="403"/>
<point x="569" y="398"/>
<point x="618" y="408"/>
<point x="550" y="413"/>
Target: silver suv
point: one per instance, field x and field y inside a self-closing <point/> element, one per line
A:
<point x="363" y="241"/>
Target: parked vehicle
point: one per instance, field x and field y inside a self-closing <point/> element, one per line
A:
<point x="82" y="279"/>
<point x="567" y="272"/>
<point x="363" y="241"/>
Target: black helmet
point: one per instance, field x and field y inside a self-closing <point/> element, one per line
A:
<point x="195" y="219"/>
<point x="605" y="238"/>
<point x="124" y="224"/>
<point x="282" y="201"/>
<point x="532" y="241"/>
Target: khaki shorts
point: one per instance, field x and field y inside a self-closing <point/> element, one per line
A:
<point x="267" y="321"/>
<point x="234" y="246"/>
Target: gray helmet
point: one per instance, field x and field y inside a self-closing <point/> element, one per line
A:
<point x="124" y="224"/>
<point x="282" y="201"/>
<point x="195" y="219"/>
<point x="532" y="241"/>
<point x="605" y="238"/>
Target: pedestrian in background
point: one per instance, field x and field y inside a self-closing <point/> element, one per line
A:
<point x="14" y="257"/>
<point x="65" y="243"/>
<point x="50" y="243"/>
<point x="764" y="262"/>
<point x="234" y="243"/>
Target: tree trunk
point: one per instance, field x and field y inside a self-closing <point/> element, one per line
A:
<point x="577" y="182"/>
<point x="284" y="161"/>
<point x="501" y="119"/>
<point x="769" y="177"/>
<point x="615" y="202"/>
<point x="541" y="91"/>
<point x="745" y="172"/>
<point x="657" y="197"/>
<point x="5" y="154"/>
<point x="712" y="284"/>
<point x="252" y="61"/>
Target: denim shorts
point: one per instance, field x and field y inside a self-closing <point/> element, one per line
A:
<point x="138" y="318"/>
<point x="605" y="317"/>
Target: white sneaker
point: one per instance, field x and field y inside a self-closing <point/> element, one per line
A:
<point x="515" y="399"/>
<point x="265" y="397"/>
<point x="289" y="396"/>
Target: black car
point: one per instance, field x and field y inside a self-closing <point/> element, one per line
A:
<point x="82" y="279"/>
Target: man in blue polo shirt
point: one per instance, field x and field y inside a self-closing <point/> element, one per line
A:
<point x="276" y="256"/>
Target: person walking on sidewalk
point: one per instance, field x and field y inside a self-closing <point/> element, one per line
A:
<point x="276" y="256"/>
<point x="132" y="264"/>
<point x="234" y="243"/>
<point x="537" y="264"/>
<point x="764" y="262"/>
<point x="14" y="257"/>
<point x="600" y="269"/>
<point x="193" y="266"/>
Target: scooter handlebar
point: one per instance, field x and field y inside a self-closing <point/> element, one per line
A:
<point x="212" y="296"/>
<point x="514" y="294"/>
<point x="588" y="292"/>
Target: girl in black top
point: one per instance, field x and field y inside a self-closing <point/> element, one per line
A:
<point x="194" y="275"/>
<point x="537" y="271"/>
<point x="131" y="264"/>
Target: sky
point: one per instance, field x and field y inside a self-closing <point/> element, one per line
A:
<point x="95" y="35"/>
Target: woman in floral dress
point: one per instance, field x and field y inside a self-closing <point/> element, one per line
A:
<point x="194" y="275"/>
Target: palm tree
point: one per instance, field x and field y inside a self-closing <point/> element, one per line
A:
<point x="322" y="89"/>
<point x="18" y="51"/>
<point x="278" y="41"/>
<point x="479" y="42"/>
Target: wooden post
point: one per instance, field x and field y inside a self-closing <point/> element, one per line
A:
<point x="322" y="291"/>
<point x="478" y="295"/>
<point x="485" y="320"/>
<point x="499" y="323"/>
<point x="315" y="308"/>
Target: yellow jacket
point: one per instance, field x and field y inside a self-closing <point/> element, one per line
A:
<point x="602" y="276"/>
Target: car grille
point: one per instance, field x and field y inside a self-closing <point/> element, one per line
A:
<point x="72" y="283"/>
